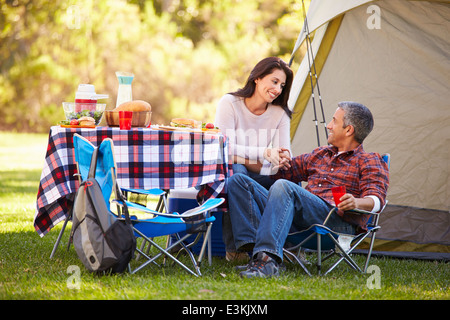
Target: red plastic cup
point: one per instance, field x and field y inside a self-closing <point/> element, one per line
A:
<point x="125" y="118"/>
<point x="338" y="192"/>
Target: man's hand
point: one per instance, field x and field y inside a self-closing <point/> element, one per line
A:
<point x="283" y="158"/>
<point x="279" y="157"/>
<point x="349" y="202"/>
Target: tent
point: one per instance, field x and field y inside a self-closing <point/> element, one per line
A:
<point x="394" y="57"/>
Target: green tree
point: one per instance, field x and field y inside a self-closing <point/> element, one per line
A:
<point x="185" y="54"/>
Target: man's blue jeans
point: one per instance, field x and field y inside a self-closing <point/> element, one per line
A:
<point x="264" y="217"/>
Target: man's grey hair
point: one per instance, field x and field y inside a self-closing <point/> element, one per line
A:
<point x="359" y="116"/>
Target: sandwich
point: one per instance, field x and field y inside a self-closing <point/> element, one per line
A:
<point x="86" y="121"/>
<point x="183" y="123"/>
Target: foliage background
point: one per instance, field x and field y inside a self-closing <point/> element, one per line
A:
<point x="185" y="54"/>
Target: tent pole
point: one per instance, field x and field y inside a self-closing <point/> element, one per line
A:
<point x="311" y="66"/>
<point x="308" y="44"/>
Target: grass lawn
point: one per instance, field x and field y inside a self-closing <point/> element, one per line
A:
<point x="27" y="273"/>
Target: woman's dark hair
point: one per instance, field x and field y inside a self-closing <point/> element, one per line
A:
<point x="263" y="68"/>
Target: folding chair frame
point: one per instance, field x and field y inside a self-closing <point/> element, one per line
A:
<point x="207" y="220"/>
<point x="320" y="230"/>
<point x="166" y="252"/>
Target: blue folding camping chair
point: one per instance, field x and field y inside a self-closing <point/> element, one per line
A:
<point x="197" y="220"/>
<point x="83" y="148"/>
<point x="319" y="238"/>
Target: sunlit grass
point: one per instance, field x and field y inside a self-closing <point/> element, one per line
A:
<point x="26" y="272"/>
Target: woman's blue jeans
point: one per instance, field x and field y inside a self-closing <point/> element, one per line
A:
<point x="265" y="181"/>
<point x="265" y="217"/>
<point x="227" y="232"/>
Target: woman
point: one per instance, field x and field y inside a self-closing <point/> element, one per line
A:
<point x="256" y="120"/>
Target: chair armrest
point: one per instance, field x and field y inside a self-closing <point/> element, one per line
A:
<point x="356" y="211"/>
<point x="207" y="206"/>
<point x="360" y="211"/>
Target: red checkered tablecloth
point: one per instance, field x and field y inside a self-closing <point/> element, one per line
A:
<point x="145" y="159"/>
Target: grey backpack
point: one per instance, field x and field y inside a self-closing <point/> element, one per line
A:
<point x="103" y="242"/>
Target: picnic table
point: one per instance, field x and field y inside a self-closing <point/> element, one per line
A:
<point x="146" y="158"/>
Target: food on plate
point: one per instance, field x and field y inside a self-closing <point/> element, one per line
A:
<point x="86" y="121"/>
<point x="135" y="105"/>
<point x="96" y="115"/>
<point x="186" y="124"/>
<point x="83" y="122"/>
<point x="183" y="123"/>
<point x="210" y="127"/>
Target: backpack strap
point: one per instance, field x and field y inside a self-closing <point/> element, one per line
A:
<point x="122" y="198"/>
<point x="117" y="190"/>
<point x="93" y="165"/>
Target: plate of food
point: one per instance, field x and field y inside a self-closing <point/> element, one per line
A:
<point x="83" y="122"/>
<point x="181" y="124"/>
<point x="210" y="128"/>
<point x="190" y="125"/>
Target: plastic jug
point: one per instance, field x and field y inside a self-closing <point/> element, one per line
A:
<point x="124" y="93"/>
<point x="86" y="98"/>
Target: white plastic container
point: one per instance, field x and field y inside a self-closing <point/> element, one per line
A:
<point x="86" y="98"/>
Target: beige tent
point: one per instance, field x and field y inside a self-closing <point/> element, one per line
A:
<point x="394" y="57"/>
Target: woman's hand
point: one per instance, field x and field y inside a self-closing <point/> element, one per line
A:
<point x="279" y="157"/>
<point x="253" y="166"/>
<point x="285" y="157"/>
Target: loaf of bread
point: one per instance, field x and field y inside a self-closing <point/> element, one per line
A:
<point x="135" y="105"/>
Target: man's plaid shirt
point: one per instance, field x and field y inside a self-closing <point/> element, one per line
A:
<point x="362" y="174"/>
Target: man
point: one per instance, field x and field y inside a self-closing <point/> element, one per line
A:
<point x="261" y="219"/>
